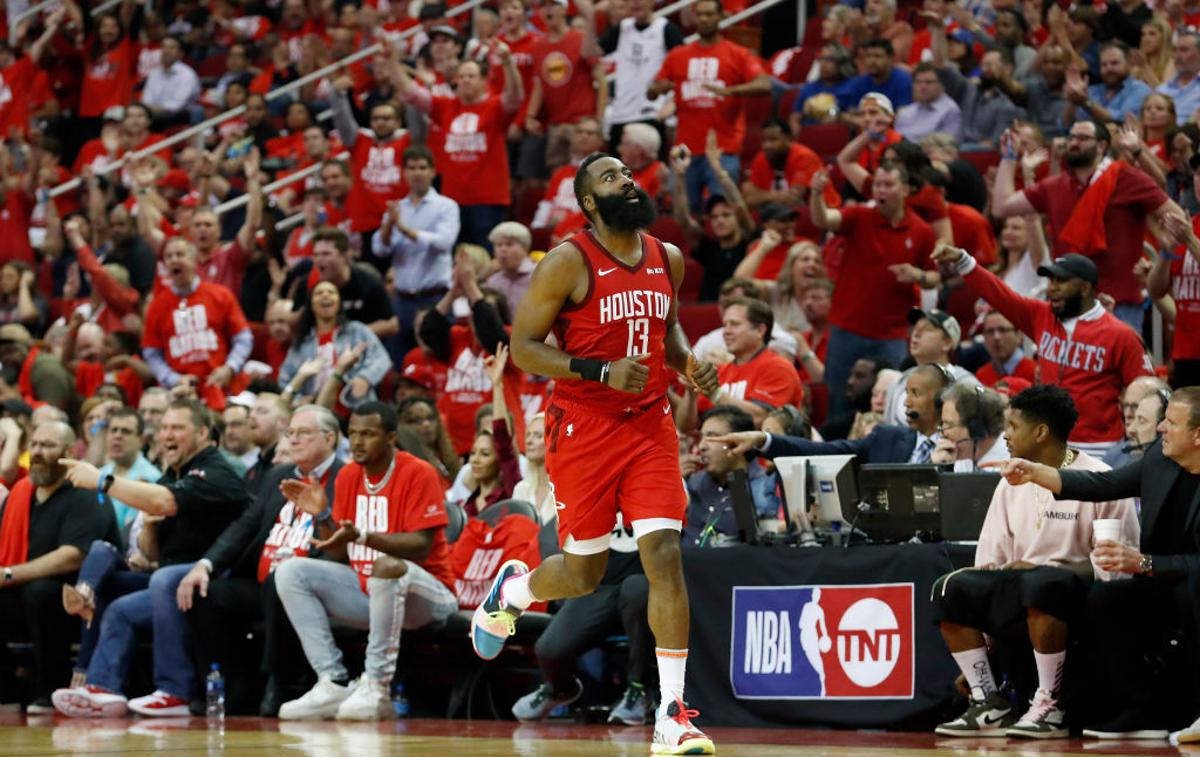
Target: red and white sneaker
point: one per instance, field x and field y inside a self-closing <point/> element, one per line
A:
<point x="89" y="702"/>
<point x="160" y="704"/>
<point x="675" y="734"/>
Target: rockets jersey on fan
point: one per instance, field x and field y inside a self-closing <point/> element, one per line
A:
<point x="624" y="313"/>
<point x="1185" y="287"/>
<point x="193" y="331"/>
<point x="467" y="388"/>
<point x="410" y="500"/>
<point x="1093" y="356"/>
<point x="288" y="538"/>
<point x="480" y="551"/>
<point x="377" y="168"/>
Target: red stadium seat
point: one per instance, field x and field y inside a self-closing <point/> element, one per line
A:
<point x="261" y="335"/>
<point x="541" y="238"/>
<point x="786" y="103"/>
<point x="699" y="318"/>
<point x="693" y="274"/>
<point x="667" y="229"/>
<point x="212" y="67"/>
<point x="826" y="140"/>
<point x="981" y="160"/>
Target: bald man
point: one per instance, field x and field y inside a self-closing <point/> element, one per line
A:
<point x="57" y="524"/>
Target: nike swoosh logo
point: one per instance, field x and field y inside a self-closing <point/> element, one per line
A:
<point x="988" y="720"/>
<point x="603" y="272"/>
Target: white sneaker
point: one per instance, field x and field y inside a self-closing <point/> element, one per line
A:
<point x="1189" y="735"/>
<point x="675" y="734"/>
<point x="89" y="702"/>
<point x="368" y="701"/>
<point x="160" y="704"/>
<point x="319" y="703"/>
<point x="1043" y="720"/>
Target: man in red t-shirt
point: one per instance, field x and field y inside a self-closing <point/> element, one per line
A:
<point x="559" y="204"/>
<point x="1005" y="356"/>
<point x="1179" y="276"/>
<point x="783" y="170"/>
<point x="757" y="380"/>
<point x="887" y="253"/>
<point x="216" y="263"/>
<point x="708" y="76"/>
<point x="375" y="158"/>
<point x="473" y="125"/>
<point x="388" y="567"/>
<point x="567" y="85"/>
<point x="1098" y="207"/>
<point x="195" y="330"/>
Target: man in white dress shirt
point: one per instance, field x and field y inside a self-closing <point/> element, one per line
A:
<point x="173" y="88"/>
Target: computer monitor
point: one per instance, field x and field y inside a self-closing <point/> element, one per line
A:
<point x="966" y="498"/>
<point x="834" y="483"/>
<point x="793" y="472"/>
<point x="744" y="512"/>
<point x="899" y="501"/>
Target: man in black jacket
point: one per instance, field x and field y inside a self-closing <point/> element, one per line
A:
<point x="243" y="559"/>
<point x="1125" y="614"/>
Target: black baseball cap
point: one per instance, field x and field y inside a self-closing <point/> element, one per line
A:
<point x="1071" y="266"/>
<point x="943" y="320"/>
<point x="776" y="211"/>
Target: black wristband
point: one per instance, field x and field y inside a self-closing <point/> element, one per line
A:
<point x="589" y="369"/>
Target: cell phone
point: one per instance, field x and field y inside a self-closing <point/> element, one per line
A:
<point x="240" y="148"/>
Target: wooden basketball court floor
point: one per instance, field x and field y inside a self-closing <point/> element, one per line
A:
<point x="50" y="735"/>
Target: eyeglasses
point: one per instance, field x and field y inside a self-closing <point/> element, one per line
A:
<point x="1080" y="137"/>
<point x="943" y="427"/>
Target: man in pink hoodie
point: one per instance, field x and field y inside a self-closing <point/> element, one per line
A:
<point x="1031" y="575"/>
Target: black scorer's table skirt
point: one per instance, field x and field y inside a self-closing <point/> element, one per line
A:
<point x="844" y="637"/>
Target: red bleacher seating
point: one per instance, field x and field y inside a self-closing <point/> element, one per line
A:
<point x="699" y="318"/>
<point x="826" y="140"/>
<point x="981" y="160"/>
<point x="693" y="273"/>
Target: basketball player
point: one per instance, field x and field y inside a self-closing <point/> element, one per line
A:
<point x="608" y="292"/>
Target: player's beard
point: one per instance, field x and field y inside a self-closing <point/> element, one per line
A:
<point x="619" y="214"/>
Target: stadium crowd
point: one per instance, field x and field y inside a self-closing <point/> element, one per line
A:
<point x="935" y="233"/>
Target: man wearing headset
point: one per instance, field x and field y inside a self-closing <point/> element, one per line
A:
<point x="972" y="426"/>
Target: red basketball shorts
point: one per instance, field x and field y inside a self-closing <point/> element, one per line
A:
<point x="601" y="464"/>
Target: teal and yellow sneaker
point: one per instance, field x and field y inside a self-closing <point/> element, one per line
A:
<point x="494" y="621"/>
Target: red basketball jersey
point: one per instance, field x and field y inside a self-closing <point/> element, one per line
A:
<point x="624" y="313"/>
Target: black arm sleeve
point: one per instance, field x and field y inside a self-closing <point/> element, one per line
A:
<point x="435" y="332"/>
<point x="609" y="39"/>
<point x="488" y="326"/>
<point x="788" y="446"/>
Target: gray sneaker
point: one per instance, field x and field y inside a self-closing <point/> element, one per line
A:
<point x="1043" y="720"/>
<point x="539" y="703"/>
<point x="986" y="717"/>
<point x="634" y="708"/>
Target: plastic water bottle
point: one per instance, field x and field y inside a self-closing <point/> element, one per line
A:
<point x="214" y="689"/>
<point x="399" y="701"/>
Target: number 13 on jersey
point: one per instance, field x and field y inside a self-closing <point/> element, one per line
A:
<point x="639" y="336"/>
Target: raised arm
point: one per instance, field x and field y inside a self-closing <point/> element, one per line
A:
<point x="847" y="160"/>
<point x="1006" y="200"/>
<point x="712" y="153"/>
<point x="254" y="204"/>
<point x="823" y="217"/>
<point x="514" y="89"/>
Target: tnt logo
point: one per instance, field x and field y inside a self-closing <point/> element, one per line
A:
<point x="823" y="642"/>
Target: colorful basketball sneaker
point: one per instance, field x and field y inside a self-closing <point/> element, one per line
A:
<point x="494" y="621"/>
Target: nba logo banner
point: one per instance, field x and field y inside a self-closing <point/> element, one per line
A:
<point x="823" y="642"/>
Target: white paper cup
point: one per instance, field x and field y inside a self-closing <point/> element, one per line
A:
<point x="1106" y="529"/>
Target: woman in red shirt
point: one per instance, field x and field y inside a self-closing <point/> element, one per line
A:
<point x="110" y="67"/>
<point x="494" y="468"/>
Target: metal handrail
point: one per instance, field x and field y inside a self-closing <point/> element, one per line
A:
<point x="221" y="118"/>
<point x="278" y="184"/>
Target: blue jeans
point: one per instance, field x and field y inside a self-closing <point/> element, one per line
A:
<point x="152" y="609"/>
<point x="699" y="175"/>
<point x="105" y="570"/>
<point x="478" y="221"/>
<point x="846" y="347"/>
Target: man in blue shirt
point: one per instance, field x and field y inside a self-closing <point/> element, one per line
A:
<point x="418" y="234"/>
<point x="1117" y="95"/>
<point x="881" y="76"/>
<point x="123" y="448"/>
<point x="1184" y="89"/>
